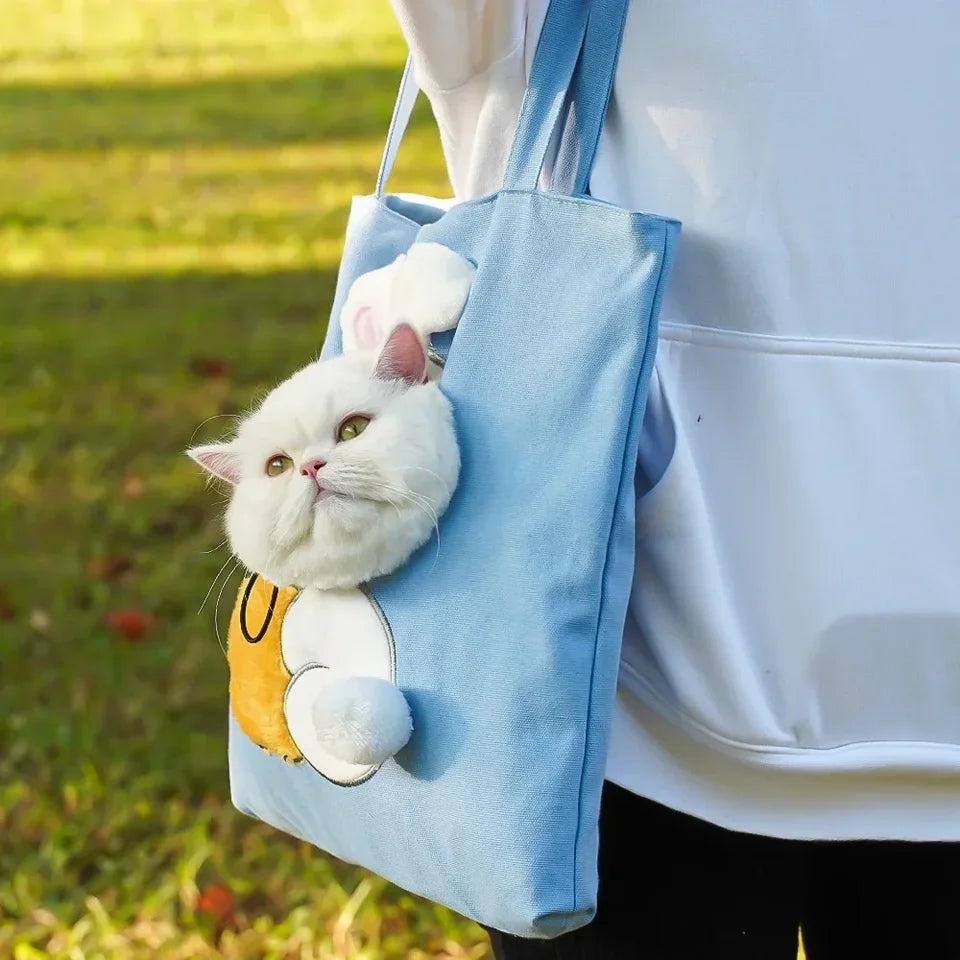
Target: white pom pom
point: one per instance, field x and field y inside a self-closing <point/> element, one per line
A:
<point x="361" y="720"/>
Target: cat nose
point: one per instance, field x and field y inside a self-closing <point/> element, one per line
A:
<point x="310" y="467"/>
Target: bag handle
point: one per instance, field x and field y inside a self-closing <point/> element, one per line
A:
<point x="402" y="109"/>
<point x="545" y="101"/>
<point x="570" y="84"/>
<point x="590" y="93"/>
<point x="571" y="79"/>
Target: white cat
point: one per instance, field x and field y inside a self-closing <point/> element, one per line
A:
<point x="338" y="477"/>
<point x="342" y="471"/>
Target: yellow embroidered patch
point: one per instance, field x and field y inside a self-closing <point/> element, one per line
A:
<point x="258" y="675"/>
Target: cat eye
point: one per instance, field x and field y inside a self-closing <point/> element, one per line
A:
<point x="281" y="463"/>
<point x="352" y="427"/>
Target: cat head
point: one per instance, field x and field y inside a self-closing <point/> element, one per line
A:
<point x="342" y="471"/>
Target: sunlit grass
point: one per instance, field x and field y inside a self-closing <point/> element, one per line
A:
<point x="63" y="41"/>
<point x="237" y="207"/>
<point x="174" y="182"/>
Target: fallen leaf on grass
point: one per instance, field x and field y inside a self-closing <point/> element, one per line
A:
<point x="130" y="624"/>
<point x="108" y="568"/>
<point x="216" y="900"/>
<point x="133" y="486"/>
<point x="211" y="367"/>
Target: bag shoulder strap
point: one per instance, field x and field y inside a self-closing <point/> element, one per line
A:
<point x="570" y="84"/>
<point x="592" y="87"/>
<point x="402" y="109"/>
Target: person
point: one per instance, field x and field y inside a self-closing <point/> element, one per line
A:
<point x="786" y="746"/>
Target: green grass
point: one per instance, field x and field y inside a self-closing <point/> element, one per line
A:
<point x="174" y="184"/>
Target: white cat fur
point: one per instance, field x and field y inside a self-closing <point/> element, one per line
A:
<point x="386" y="487"/>
<point x="426" y="287"/>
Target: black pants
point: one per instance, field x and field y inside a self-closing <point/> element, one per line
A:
<point x="676" y="888"/>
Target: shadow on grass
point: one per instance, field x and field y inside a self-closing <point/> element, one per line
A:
<point x="326" y="104"/>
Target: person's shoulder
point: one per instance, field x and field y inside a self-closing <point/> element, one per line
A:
<point x="453" y="44"/>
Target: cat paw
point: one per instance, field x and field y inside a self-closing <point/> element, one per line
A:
<point x="361" y="720"/>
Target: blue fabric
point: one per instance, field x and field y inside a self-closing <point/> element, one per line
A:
<point x="508" y="644"/>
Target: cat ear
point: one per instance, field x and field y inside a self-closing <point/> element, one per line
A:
<point x="220" y="459"/>
<point x="430" y="287"/>
<point x="365" y="317"/>
<point x="403" y="357"/>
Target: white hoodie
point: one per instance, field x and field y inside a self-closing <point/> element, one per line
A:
<point x="792" y="661"/>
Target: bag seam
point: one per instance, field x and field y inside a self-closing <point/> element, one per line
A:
<point x="614" y="211"/>
<point x="618" y="500"/>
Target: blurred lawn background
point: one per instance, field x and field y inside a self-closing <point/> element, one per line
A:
<point x="174" y="184"/>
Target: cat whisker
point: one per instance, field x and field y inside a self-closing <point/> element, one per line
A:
<point x="412" y="466"/>
<point x="415" y="498"/>
<point x="216" y="416"/>
<point x="216" y="608"/>
<point x="421" y="503"/>
<point x="395" y="506"/>
<point x="214" y="582"/>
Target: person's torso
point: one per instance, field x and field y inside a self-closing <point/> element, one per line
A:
<point x="798" y="576"/>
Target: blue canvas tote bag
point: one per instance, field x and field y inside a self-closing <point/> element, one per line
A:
<point x="507" y="640"/>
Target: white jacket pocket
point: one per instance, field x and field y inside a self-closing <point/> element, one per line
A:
<point x="797" y="583"/>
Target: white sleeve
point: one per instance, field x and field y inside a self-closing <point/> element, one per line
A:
<point x="471" y="59"/>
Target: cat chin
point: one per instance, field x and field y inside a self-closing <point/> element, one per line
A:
<point x="335" y="556"/>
